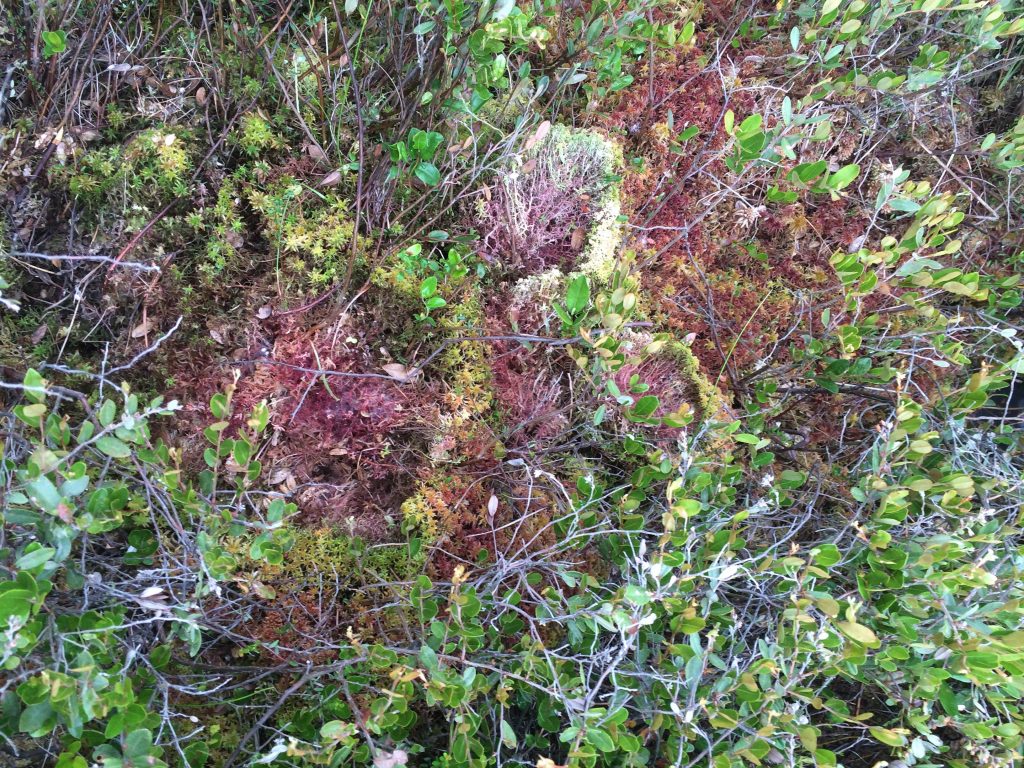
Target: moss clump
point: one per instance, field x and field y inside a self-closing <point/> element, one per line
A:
<point x="421" y="513"/>
<point x="670" y="371"/>
<point x="222" y="226"/>
<point x="312" y="233"/>
<point x="465" y="364"/>
<point x="708" y="398"/>
<point x="255" y="136"/>
<point x="567" y="148"/>
<point x="135" y="178"/>
<point x="332" y="553"/>
<point x="446" y="509"/>
<point x="560" y="194"/>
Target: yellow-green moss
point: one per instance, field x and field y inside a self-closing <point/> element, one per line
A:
<point x="313" y="233"/>
<point x="433" y="510"/>
<point x="135" y="178"/>
<point x="330" y="551"/>
<point x="708" y="397"/>
<point x="465" y="364"/>
<point x="254" y="135"/>
<point x="565" y="148"/>
<point x="420" y="514"/>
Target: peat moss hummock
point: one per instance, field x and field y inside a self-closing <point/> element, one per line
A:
<point x="557" y="205"/>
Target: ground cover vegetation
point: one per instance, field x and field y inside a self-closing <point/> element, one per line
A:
<point x="483" y="383"/>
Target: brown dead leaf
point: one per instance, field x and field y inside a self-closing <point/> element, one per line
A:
<point x="578" y="236"/>
<point x="142" y="329"/>
<point x="64" y="513"/>
<point x="539" y="135"/>
<point x="315" y="152"/>
<point x="399" y="372"/>
<point x="280" y="475"/>
<point x="331" y="179"/>
<point x="201" y="96"/>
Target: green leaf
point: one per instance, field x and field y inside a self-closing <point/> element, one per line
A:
<point x="508" y="736"/>
<point x="1012" y="639"/>
<point x="859" y="633"/>
<point x="33" y="412"/>
<point x="43" y="493"/>
<point x="335" y="729"/>
<point x="242" y="452"/>
<point x="107" y="413"/>
<point x="805" y="173"/>
<point x="428" y="287"/>
<point x="197" y="753"/>
<point x="160" y="656"/>
<point x="35" y="386"/>
<point x="138" y="744"/>
<point x="37" y="719"/>
<point x="562" y="314"/>
<point x="54" y="42"/>
<point x="687" y="134"/>
<point x="826" y="555"/>
<point x="15" y="602"/>
<point x="844" y="176"/>
<point x="113" y="447"/>
<point x="790" y="479"/>
<point x="636" y="594"/>
<point x="645" y="406"/>
<point x="35" y="558"/>
<point x="219" y="406"/>
<point x="887" y="736"/>
<point x="428" y="658"/>
<point x="578" y="296"/>
<point x="600" y="739"/>
<point x="423" y="27"/>
<point x="428" y="174"/>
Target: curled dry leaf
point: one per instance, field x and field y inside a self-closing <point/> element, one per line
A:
<point x="331" y="179"/>
<point x="399" y="372"/>
<point x="153" y="598"/>
<point x="390" y="759"/>
<point x="538" y="136"/>
<point x="142" y="329"/>
<point x="217" y="333"/>
<point x="315" y="152"/>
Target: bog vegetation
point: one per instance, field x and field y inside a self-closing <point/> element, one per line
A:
<point x="483" y="383"/>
